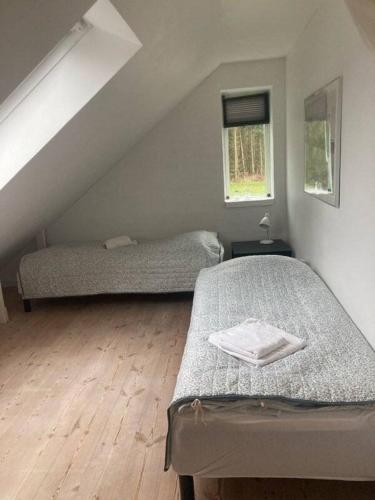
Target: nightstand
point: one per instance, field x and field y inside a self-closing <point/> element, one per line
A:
<point x="244" y="248"/>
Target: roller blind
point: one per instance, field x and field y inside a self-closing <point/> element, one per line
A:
<point x="246" y="110"/>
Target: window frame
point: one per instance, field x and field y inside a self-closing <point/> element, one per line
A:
<point x="269" y="155"/>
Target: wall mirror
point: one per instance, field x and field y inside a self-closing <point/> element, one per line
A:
<point x="323" y="143"/>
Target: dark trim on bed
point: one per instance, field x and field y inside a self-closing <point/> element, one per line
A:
<point x="186" y="487"/>
<point x="27" y="305"/>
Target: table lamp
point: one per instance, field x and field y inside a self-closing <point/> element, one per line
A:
<point x="265" y="223"/>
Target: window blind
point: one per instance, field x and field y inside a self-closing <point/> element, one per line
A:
<point x="246" y="110"/>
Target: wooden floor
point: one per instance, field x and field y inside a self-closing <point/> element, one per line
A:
<point x="84" y="387"/>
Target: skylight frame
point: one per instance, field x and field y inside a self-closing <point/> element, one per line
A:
<point x="62" y="85"/>
<point x="41" y="71"/>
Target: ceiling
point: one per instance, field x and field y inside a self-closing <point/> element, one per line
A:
<point x="183" y="42"/>
<point x="363" y="12"/>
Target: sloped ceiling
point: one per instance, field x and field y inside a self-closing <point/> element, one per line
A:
<point x="363" y="12"/>
<point x="29" y="29"/>
<point x="183" y="42"/>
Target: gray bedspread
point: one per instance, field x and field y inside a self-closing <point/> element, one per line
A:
<point x="168" y="265"/>
<point x="337" y="366"/>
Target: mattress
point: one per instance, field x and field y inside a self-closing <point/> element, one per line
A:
<point x="168" y="265"/>
<point x="271" y="439"/>
<point x="333" y="375"/>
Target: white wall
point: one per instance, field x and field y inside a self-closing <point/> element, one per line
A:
<point x="338" y="243"/>
<point x="172" y="180"/>
<point x="8" y="274"/>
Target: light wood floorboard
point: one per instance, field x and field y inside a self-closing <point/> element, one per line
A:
<point x="84" y="387"/>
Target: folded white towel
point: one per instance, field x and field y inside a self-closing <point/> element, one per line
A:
<point x="119" y="241"/>
<point x="252" y="337"/>
<point x="256" y="342"/>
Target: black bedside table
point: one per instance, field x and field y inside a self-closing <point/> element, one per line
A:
<point x="244" y="248"/>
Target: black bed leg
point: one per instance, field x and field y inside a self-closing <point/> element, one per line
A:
<point x="186" y="487"/>
<point x="27" y="305"/>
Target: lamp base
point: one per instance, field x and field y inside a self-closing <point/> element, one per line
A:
<point x="266" y="242"/>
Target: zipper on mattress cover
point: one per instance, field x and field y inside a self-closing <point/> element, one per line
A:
<point x="198" y="409"/>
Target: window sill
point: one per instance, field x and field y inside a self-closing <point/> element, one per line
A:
<point x="261" y="202"/>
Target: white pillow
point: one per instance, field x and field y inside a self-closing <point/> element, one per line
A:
<point x="119" y="241"/>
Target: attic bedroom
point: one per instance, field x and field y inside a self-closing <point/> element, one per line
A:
<point x="187" y="280"/>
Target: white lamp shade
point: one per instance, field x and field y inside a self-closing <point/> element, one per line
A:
<point x="265" y="223"/>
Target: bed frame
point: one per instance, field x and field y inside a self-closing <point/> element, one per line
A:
<point x="186" y="487"/>
<point x="27" y="305"/>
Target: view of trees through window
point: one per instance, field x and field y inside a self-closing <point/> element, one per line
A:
<point x="247" y="161"/>
<point x="318" y="157"/>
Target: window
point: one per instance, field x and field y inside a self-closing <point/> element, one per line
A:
<point x="43" y="69"/>
<point x="247" y="138"/>
<point x="92" y="52"/>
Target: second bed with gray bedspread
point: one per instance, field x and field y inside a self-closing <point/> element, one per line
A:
<point x="168" y="265"/>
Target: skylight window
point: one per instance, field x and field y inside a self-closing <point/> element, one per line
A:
<point x="94" y="50"/>
<point x="43" y="69"/>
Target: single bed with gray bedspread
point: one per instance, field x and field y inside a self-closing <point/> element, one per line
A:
<point x="167" y="265"/>
<point x="229" y="418"/>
